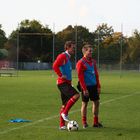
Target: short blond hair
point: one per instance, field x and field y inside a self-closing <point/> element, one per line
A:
<point x="86" y="47"/>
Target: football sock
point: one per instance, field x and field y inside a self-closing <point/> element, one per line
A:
<point x="84" y="119"/>
<point x="69" y="104"/>
<point x="62" y="122"/>
<point x="95" y="119"/>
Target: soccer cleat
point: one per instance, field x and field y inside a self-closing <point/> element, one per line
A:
<point x="85" y="126"/>
<point x="63" y="128"/>
<point x="98" y="125"/>
<point x="65" y="117"/>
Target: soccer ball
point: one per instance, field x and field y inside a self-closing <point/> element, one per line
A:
<point x="72" y="126"/>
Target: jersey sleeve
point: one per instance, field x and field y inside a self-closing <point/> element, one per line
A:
<point x="60" y="60"/>
<point x="80" y="70"/>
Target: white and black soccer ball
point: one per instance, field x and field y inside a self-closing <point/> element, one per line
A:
<point x="72" y="126"/>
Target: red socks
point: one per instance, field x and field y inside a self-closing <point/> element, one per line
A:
<point x="69" y="104"/>
<point x="96" y="120"/>
<point x="66" y="109"/>
<point x="62" y="122"/>
<point x="84" y="120"/>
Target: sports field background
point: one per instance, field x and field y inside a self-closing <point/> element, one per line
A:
<point x="34" y="96"/>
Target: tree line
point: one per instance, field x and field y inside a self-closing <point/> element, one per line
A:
<point x="36" y="43"/>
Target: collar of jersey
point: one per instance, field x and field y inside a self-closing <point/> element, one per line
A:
<point x="68" y="53"/>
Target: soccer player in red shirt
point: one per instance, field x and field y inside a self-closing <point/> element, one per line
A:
<point x="69" y="95"/>
<point x="90" y="85"/>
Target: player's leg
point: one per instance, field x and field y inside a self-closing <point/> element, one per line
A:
<point x="76" y="96"/>
<point x="62" y="122"/>
<point x="69" y="104"/>
<point x="94" y="97"/>
<point x="84" y="114"/>
<point x="64" y="100"/>
<point x="95" y="110"/>
<point x="85" y="100"/>
<point x="73" y="96"/>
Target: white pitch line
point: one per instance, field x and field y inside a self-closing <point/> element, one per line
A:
<point x="55" y="116"/>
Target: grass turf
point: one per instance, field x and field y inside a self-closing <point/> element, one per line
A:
<point x="34" y="96"/>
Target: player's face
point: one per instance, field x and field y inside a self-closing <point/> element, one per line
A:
<point x="89" y="52"/>
<point x="71" y="50"/>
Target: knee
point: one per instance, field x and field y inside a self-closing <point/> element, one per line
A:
<point x="63" y="106"/>
<point x="84" y="105"/>
<point x="77" y="96"/>
<point x="97" y="103"/>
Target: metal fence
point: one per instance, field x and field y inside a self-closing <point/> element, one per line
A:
<point x="102" y="67"/>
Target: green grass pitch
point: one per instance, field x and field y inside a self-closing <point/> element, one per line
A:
<point x="34" y="96"/>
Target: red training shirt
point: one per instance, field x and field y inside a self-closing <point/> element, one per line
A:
<point x="60" y="60"/>
<point x="81" y="67"/>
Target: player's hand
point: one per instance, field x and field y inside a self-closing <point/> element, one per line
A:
<point x="64" y="77"/>
<point x="86" y="93"/>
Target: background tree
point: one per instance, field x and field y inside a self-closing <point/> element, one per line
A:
<point x="33" y="46"/>
<point x="109" y="43"/>
<point x="61" y="37"/>
<point x="103" y="31"/>
<point x="132" y="54"/>
<point x="3" y="40"/>
<point x="3" y="37"/>
<point x="112" y="48"/>
<point x="71" y="33"/>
